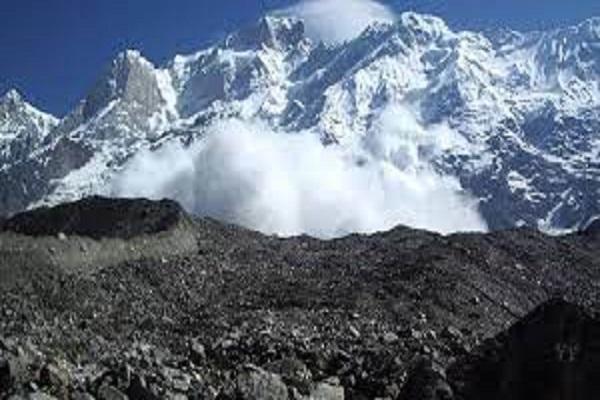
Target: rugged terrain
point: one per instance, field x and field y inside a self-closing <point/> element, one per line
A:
<point x="112" y="299"/>
<point x="512" y="117"/>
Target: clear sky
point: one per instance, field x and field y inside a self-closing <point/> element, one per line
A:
<point x="53" y="50"/>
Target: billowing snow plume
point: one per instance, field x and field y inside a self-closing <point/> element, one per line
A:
<point x="290" y="184"/>
<point x="335" y="21"/>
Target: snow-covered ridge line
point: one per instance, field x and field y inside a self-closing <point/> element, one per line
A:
<point x="511" y="117"/>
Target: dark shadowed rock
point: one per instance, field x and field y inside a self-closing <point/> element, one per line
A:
<point x="98" y="217"/>
<point x="427" y="381"/>
<point x="56" y="379"/>
<point x="5" y="375"/>
<point x="593" y="228"/>
<point x="553" y="353"/>
<point x="138" y="389"/>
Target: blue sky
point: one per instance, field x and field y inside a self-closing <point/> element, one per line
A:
<point x="53" y="50"/>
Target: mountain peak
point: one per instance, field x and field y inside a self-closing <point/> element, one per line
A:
<point x="131" y="56"/>
<point x="515" y="106"/>
<point x="591" y="24"/>
<point x="13" y="103"/>
<point x="129" y="76"/>
<point x="12" y="96"/>
<point x="274" y="31"/>
<point x="21" y="126"/>
<point x="423" y="22"/>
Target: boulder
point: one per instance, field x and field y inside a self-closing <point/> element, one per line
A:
<point x="427" y="381"/>
<point x="327" y="391"/>
<point x="257" y="384"/>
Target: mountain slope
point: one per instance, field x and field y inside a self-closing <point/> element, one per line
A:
<point x="513" y="117"/>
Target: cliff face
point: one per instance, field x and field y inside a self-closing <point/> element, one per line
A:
<point x="552" y="353"/>
<point x="196" y="308"/>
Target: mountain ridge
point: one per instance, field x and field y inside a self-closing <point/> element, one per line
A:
<point x="523" y="108"/>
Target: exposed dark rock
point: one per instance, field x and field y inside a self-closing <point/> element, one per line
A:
<point x="68" y="155"/>
<point x="5" y="375"/>
<point x="138" y="389"/>
<point x="593" y="228"/>
<point x="553" y="353"/>
<point x="56" y="379"/>
<point x="197" y="352"/>
<point x="294" y="373"/>
<point x="427" y="381"/>
<point x="98" y="217"/>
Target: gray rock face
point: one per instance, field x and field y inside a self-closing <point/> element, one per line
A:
<point x="32" y="178"/>
<point x="327" y="391"/>
<point x="121" y="103"/>
<point x="256" y="384"/>
<point x="131" y="78"/>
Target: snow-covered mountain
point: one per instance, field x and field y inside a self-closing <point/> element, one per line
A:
<point x="22" y="127"/>
<point x="515" y="117"/>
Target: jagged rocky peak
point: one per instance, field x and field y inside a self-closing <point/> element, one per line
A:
<point x="591" y="26"/>
<point x="424" y="27"/>
<point x="131" y="78"/>
<point x="276" y="32"/>
<point x="243" y="63"/>
<point x="12" y="96"/>
<point x="515" y="107"/>
<point x="571" y="49"/>
<point x="11" y="102"/>
<point x="503" y="38"/>
<point x="17" y="115"/>
<point x="588" y="29"/>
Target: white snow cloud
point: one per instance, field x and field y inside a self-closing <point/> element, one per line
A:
<point x="289" y="184"/>
<point x="335" y="21"/>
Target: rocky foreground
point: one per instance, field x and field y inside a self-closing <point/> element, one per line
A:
<point x="116" y="299"/>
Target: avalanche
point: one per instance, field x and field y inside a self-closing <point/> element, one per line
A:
<point x="502" y="123"/>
